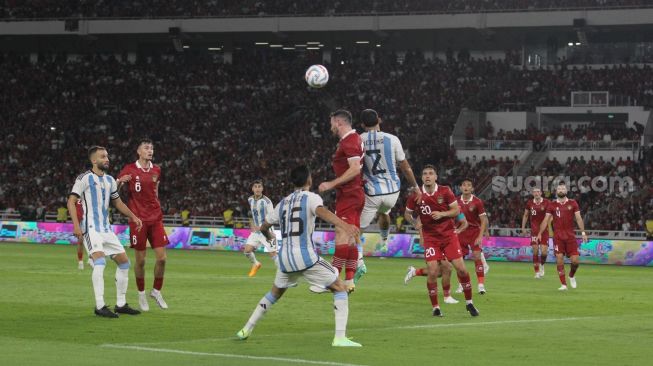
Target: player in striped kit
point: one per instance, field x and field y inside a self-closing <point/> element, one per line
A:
<point x="536" y="210"/>
<point x="383" y="153"/>
<point x="260" y="207"/>
<point x="297" y="257"/>
<point x="96" y="189"/>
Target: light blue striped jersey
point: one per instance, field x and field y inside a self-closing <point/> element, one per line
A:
<point x="383" y="152"/>
<point x="260" y="209"/>
<point x="95" y="192"/>
<point x="295" y="216"/>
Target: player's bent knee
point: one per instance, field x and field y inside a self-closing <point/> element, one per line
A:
<point x="101" y="261"/>
<point x="124" y="265"/>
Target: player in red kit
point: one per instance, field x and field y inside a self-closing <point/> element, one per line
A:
<point x="350" y="198"/>
<point x="536" y="210"/>
<point x="143" y="179"/>
<point x="562" y="212"/>
<point x="472" y="237"/>
<point x="436" y="212"/>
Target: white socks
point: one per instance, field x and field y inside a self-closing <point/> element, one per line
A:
<point x="263" y="306"/>
<point x="251" y="257"/>
<point x="341" y="310"/>
<point x="98" y="282"/>
<point x="122" y="279"/>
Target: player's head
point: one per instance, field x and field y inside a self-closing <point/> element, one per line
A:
<point x="99" y="157"/>
<point x="467" y="186"/>
<point x="537" y="192"/>
<point x="370" y="118"/>
<point x="145" y="149"/>
<point x="561" y="190"/>
<point x="257" y="187"/>
<point x="340" y="120"/>
<point x="300" y="177"/>
<point x="429" y="175"/>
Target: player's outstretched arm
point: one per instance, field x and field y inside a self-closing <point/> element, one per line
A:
<point x="328" y="216"/>
<point x="410" y="177"/>
<point x="72" y="202"/>
<point x="581" y="226"/>
<point x="123" y="209"/>
<point x="349" y="174"/>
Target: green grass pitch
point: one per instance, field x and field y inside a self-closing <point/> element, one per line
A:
<point x="46" y="316"/>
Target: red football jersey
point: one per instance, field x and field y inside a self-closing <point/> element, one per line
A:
<point x="143" y="191"/>
<point x="563" y="218"/>
<point x="537" y="211"/>
<point x="440" y="200"/>
<point x="473" y="210"/>
<point x="350" y="146"/>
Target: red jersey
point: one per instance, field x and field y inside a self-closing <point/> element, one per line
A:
<point x="349" y="147"/>
<point x="143" y="191"/>
<point x="537" y="211"/>
<point x="473" y="210"/>
<point x="563" y="218"/>
<point x="440" y="200"/>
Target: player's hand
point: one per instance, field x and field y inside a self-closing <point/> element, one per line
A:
<point x="138" y="222"/>
<point x="479" y="241"/>
<point x="584" y="236"/>
<point x="354" y="232"/>
<point x="325" y="186"/>
<point x="418" y="225"/>
<point x="526" y="232"/>
<point x="538" y="238"/>
<point x="125" y="178"/>
<point x="78" y="234"/>
<point x="437" y="215"/>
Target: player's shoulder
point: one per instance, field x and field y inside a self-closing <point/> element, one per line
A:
<point x="477" y="199"/>
<point x="156" y="167"/>
<point x="109" y="178"/>
<point x="84" y="175"/>
<point x="266" y="199"/>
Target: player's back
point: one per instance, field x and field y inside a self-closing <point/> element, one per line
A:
<point x="349" y="147"/>
<point x="382" y="153"/>
<point x="143" y="191"/>
<point x="296" y="215"/>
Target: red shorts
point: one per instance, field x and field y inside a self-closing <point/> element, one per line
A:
<point x="544" y="241"/>
<point x="349" y="206"/>
<point x="467" y="239"/>
<point x="440" y="249"/>
<point x="568" y="247"/>
<point x="151" y="231"/>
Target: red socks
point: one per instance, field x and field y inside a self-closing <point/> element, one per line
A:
<point x="433" y="293"/>
<point x="420" y="272"/>
<point x="140" y="284"/>
<point x="480" y="274"/>
<point x="467" y="286"/>
<point x="158" y="283"/>
<point x="80" y="255"/>
<point x="340" y="256"/>
<point x="351" y="262"/>
<point x="561" y="274"/>
<point x="446" y="289"/>
<point x="572" y="272"/>
<point x="536" y="263"/>
<point x="543" y="258"/>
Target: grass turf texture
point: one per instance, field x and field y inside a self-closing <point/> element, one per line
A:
<point x="46" y="312"/>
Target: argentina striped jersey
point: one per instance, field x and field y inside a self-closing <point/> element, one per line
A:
<point x="259" y="209"/>
<point x="383" y="152"/>
<point x="295" y="216"/>
<point x="95" y="193"/>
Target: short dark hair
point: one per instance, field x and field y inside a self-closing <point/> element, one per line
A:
<point x="429" y="166"/>
<point x="299" y="175"/>
<point x="257" y="181"/>
<point x="94" y="149"/>
<point x="342" y="113"/>
<point x="144" y="140"/>
<point x="466" y="179"/>
<point x="370" y="118"/>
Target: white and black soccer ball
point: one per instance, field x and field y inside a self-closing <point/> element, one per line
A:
<point x="317" y="76"/>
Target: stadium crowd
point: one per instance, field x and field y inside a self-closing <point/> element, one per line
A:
<point x="21" y="9"/>
<point x="218" y="126"/>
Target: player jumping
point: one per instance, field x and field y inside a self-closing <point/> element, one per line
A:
<point x="562" y="212"/>
<point x="436" y="211"/>
<point x="536" y="210"/>
<point x="383" y="152"/>
<point x="260" y="207"/>
<point x="143" y="179"/>
<point x="96" y="189"/>
<point x="298" y="258"/>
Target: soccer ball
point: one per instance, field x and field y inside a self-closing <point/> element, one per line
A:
<point x="317" y="76"/>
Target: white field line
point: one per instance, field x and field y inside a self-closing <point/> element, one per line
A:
<point x="229" y="355"/>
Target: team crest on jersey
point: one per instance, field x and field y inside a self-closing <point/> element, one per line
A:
<point x="154" y="178"/>
<point x="541" y="208"/>
<point x="568" y="207"/>
<point x="472" y="208"/>
<point x="440" y="200"/>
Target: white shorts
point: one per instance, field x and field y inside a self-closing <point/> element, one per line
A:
<point x="377" y="204"/>
<point x="107" y="243"/>
<point x="322" y="274"/>
<point x="257" y="239"/>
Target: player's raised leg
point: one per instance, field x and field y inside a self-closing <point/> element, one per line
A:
<point x="263" y="306"/>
